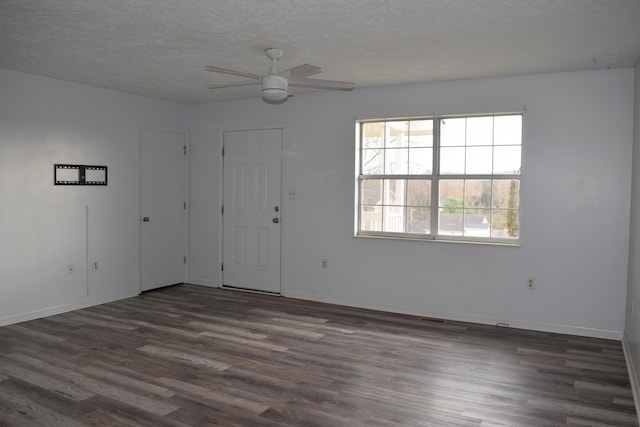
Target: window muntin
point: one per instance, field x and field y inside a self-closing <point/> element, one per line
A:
<point x="448" y="178"/>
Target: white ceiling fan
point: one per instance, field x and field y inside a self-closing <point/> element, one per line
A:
<point x="275" y="85"/>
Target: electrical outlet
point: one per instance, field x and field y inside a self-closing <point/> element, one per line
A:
<point x="292" y="193"/>
<point x="95" y="265"/>
<point x="70" y="269"/>
<point x="325" y="263"/>
<point x="531" y="283"/>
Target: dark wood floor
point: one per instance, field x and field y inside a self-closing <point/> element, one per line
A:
<point x="196" y="356"/>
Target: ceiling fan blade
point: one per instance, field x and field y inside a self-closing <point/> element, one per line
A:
<point x="321" y="84"/>
<point x="231" y="72"/>
<point x="300" y="71"/>
<point x="222" y="86"/>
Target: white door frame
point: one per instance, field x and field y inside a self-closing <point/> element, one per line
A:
<point x="283" y="219"/>
<point x="186" y="190"/>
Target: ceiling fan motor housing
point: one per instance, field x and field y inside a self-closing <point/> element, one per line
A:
<point x="274" y="88"/>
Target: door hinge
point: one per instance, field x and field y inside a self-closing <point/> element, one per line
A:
<point x="222" y="209"/>
<point x="185" y="260"/>
<point x="221" y="266"/>
<point x="185" y="150"/>
<point x="222" y="151"/>
<point x="185" y="205"/>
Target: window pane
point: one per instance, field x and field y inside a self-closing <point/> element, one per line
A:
<point x="372" y="161"/>
<point x="371" y="193"/>
<point x="477" y="193"/>
<point x="507" y="130"/>
<point x="505" y="224"/>
<point x="478" y="160"/>
<point x="373" y="135"/>
<point x="479" y="131"/>
<point x="394" y="192"/>
<point x="450" y="212"/>
<point x="451" y="195"/>
<point x="393" y="219"/>
<point x="506" y="160"/>
<point x="419" y="192"/>
<point x="452" y="160"/>
<point x="420" y="161"/>
<point x="450" y="224"/>
<point x="506" y="194"/>
<point x="396" y="161"/>
<point x="476" y="222"/>
<point x="418" y="220"/>
<point x="452" y="132"/>
<point x="370" y="218"/>
<point x="421" y="133"/>
<point x="396" y="134"/>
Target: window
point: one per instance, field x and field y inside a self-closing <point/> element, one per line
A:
<point x="440" y="178"/>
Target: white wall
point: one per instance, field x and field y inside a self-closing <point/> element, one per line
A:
<point x="632" y="329"/>
<point x="575" y="203"/>
<point x="578" y="134"/>
<point x="43" y="228"/>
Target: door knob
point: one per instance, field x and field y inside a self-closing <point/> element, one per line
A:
<point x="275" y="220"/>
<point x="145" y="219"/>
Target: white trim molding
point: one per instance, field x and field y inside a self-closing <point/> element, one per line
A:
<point x="633" y="374"/>
<point x="204" y="282"/>
<point x="50" y="311"/>
<point x="471" y="318"/>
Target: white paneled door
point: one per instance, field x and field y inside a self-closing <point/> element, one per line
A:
<point x="252" y="210"/>
<point x="162" y="208"/>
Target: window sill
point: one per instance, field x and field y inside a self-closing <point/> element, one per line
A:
<point x="440" y="239"/>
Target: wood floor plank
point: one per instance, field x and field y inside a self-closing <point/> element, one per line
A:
<point x="185" y="357"/>
<point x="229" y="330"/>
<point x="244" y="341"/>
<point x="31" y="412"/>
<point x="217" y="397"/>
<point x="98" y="387"/>
<point x="581" y="410"/>
<point x="127" y="381"/>
<point x="44" y="381"/>
<point x="196" y="356"/>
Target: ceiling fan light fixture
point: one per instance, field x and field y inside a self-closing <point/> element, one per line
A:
<point x="275" y="85"/>
<point x="274" y="88"/>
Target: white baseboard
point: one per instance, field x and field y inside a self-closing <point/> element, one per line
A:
<point x="462" y="317"/>
<point x="544" y="327"/>
<point x="203" y="282"/>
<point x="633" y="373"/>
<point x="50" y="311"/>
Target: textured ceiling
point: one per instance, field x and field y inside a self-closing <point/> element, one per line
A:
<point x="158" y="48"/>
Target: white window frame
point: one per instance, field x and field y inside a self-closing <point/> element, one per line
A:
<point x="435" y="177"/>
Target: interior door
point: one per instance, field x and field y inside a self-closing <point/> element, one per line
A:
<point x="162" y="208"/>
<point x="252" y="210"/>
